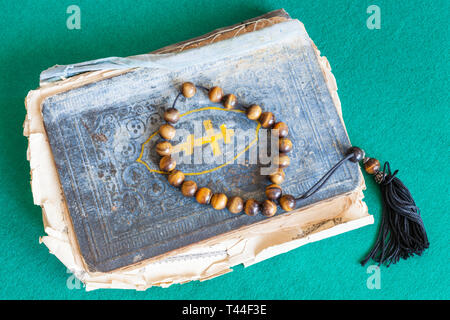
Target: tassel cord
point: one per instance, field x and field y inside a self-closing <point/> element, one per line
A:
<point x="402" y="232"/>
<point x="324" y="179"/>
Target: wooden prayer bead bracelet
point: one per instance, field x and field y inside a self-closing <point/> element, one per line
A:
<point x="402" y="233"/>
<point x="220" y="201"/>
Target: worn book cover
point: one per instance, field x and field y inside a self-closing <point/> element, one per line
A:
<point x="109" y="212"/>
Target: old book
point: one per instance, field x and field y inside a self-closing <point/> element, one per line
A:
<point x="109" y="213"/>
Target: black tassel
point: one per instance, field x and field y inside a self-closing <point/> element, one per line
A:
<point x="402" y="232"/>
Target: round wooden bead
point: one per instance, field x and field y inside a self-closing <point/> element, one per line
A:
<point x="287" y="202"/>
<point x="358" y="154"/>
<point x="219" y="201"/>
<point x="267" y="119"/>
<point x="277" y="177"/>
<point x="176" y="178"/>
<point x="203" y="195"/>
<point x="254" y="112"/>
<point x="188" y="188"/>
<point x="273" y="192"/>
<point x="285" y="145"/>
<point x="215" y="94"/>
<point x="282" y="128"/>
<point x="172" y="115"/>
<point x="188" y="89"/>
<point x="372" y="166"/>
<point x="282" y="160"/>
<point x="268" y="208"/>
<point x="229" y="102"/>
<point x="164" y="148"/>
<point x="235" y="204"/>
<point x="252" y="207"/>
<point x="167" y="163"/>
<point x="167" y="132"/>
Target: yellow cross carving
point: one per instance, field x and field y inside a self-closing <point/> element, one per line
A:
<point x="211" y="137"/>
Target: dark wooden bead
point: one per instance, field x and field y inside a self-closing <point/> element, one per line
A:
<point x="188" y="89"/>
<point x="268" y="208"/>
<point x="254" y="112"/>
<point x="252" y="207"/>
<point x="287" y="202"/>
<point x="285" y="145"/>
<point x="235" y="204"/>
<point x="203" y="195"/>
<point x="358" y="154"/>
<point x="188" y="188"/>
<point x="172" y="115"/>
<point x="215" y="94"/>
<point x="219" y="201"/>
<point x="176" y="178"/>
<point x="273" y="192"/>
<point x="277" y="177"/>
<point x="282" y="128"/>
<point x="167" y="163"/>
<point x="164" y="148"/>
<point x="372" y="166"/>
<point x="167" y="132"/>
<point x="267" y="119"/>
<point x="229" y="102"/>
<point x="282" y="160"/>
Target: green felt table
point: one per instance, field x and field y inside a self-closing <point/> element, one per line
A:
<point x="393" y="85"/>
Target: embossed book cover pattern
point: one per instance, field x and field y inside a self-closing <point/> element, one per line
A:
<point x="103" y="135"/>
